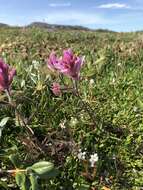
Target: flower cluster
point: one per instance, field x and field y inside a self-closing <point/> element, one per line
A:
<point x="6" y="75"/>
<point x="81" y="155"/>
<point x="69" y="64"/>
<point x="93" y="159"/>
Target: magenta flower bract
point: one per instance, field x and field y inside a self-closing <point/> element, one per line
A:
<point x="6" y="75"/>
<point x="69" y="64"/>
<point x="56" y="89"/>
<point x="52" y="61"/>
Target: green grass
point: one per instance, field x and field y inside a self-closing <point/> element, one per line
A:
<point x="115" y="63"/>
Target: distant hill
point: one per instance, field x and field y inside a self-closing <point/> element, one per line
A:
<point x="56" y="26"/>
<point x="4" y="25"/>
<point x="104" y="30"/>
<point x="67" y="27"/>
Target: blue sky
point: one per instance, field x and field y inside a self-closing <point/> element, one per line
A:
<point x="119" y="15"/>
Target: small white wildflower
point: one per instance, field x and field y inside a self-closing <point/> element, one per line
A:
<point x="113" y="80"/>
<point x="135" y="108"/>
<point x="82" y="117"/>
<point x="73" y="121"/>
<point x="81" y="155"/>
<point x="48" y="144"/>
<point x="134" y="170"/>
<point x="4" y="179"/>
<point x="119" y="64"/>
<point x="62" y="124"/>
<point x="91" y="82"/>
<point x="93" y="159"/>
<point x="34" y="62"/>
<point x="114" y="157"/>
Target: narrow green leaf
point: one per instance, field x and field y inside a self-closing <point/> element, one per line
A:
<point x="140" y="103"/>
<point x="34" y="182"/>
<point x="3" y="184"/>
<point x="15" y="160"/>
<point x="3" y="122"/>
<point x="20" y="179"/>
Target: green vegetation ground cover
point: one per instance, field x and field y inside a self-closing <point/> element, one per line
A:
<point x="111" y="83"/>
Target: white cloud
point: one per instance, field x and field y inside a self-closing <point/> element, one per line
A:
<point x="114" y="6"/>
<point x="68" y="4"/>
<point x="75" y="17"/>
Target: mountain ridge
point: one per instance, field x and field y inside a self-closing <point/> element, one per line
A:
<point x="56" y="27"/>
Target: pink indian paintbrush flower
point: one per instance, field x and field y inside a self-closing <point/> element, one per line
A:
<point x="56" y="89"/>
<point x="69" y="64"/>
<point x="6" y="75"/>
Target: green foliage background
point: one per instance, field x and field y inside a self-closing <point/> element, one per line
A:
<point x="115" y="62"/>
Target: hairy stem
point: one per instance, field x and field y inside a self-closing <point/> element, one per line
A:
<point x="85" y="105"/>
<point x="29" y="130"/>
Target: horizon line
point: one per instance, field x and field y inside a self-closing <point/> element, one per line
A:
<point x="67" y="25"/>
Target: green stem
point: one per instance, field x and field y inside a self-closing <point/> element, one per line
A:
<point x="5" y="172"/>
<point x="75" y="86"/>
<point x="29" y="130"/>
<point x="86" y="106"/>
<point x="94" y="172"/>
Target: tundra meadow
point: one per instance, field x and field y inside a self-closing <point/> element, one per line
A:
<point x="71" y="110"/>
